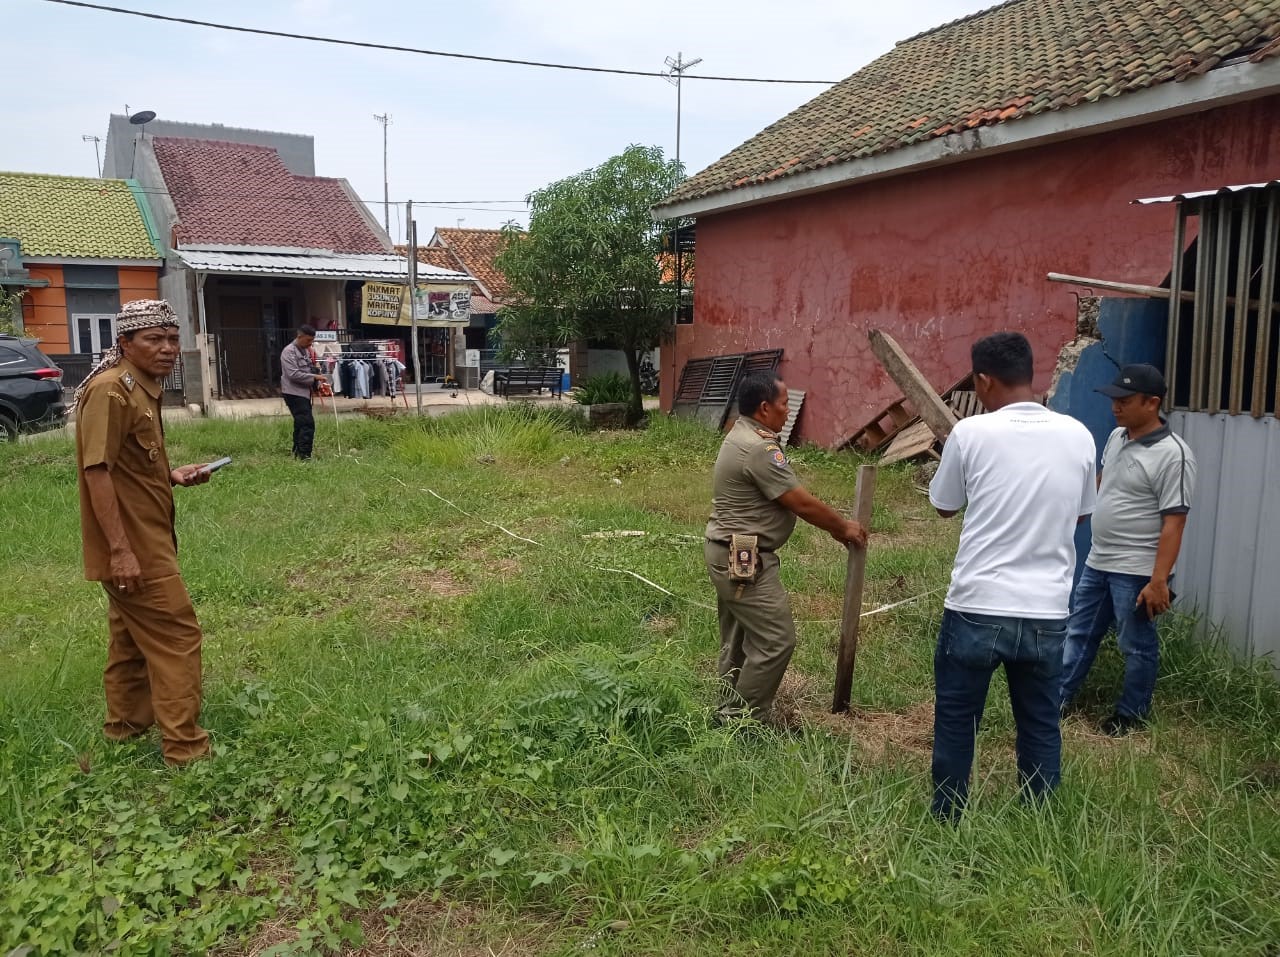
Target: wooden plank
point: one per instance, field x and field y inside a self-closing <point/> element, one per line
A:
<point x="855" y="577"/>
<point x="1136" y="289"/>
<point x="914" y="386"/>
<point x="912" y="441"/>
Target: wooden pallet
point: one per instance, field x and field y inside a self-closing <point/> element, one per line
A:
<point x="877" y="434"/>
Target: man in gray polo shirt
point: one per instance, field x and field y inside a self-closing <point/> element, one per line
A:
<point x="1144" y="493"/>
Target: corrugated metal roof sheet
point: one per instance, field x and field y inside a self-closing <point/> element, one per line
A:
<point x="320" y="265"/>
<point x="1205" y="192"/>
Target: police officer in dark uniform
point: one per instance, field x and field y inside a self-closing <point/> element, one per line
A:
<point x="756" y="500"/>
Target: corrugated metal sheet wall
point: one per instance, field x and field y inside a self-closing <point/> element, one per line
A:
<point x="1229" y="568"/>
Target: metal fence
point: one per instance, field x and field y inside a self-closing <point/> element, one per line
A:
<point x="1224" y="312"/>
<point x="77" y="366"/>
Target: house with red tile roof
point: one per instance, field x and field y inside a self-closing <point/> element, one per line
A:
<point x="930" y="193"/>
<point x="254" y="249"/>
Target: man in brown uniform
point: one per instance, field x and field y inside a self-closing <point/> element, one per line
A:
<point x="126" y="519"/>
<point x="755" y="493"/>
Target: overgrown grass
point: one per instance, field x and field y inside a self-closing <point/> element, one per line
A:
<point x="431" y="732"/>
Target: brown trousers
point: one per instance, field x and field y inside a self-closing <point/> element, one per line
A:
<point x="757" y="634"/>
<point x="153" y="667"/>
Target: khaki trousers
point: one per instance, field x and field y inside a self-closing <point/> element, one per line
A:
<point x="153" y="667"/>
<point x="757" y="634"/>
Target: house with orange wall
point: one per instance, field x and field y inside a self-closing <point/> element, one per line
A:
<point x="79" y="248"/>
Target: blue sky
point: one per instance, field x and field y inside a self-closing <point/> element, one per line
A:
<point x="460" y="130"/>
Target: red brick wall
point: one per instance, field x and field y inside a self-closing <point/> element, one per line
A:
<point x="942" y="257"/>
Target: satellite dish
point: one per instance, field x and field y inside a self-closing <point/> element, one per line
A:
<point x="142" y="118"/>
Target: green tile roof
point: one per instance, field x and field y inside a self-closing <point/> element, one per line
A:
<point x="1021" y="58"/>
<point x="74" y="217"/>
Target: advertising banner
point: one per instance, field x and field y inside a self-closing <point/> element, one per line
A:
<point x="440" y="305"/>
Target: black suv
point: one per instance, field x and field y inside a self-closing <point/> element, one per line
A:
<point x="30" y="389"/>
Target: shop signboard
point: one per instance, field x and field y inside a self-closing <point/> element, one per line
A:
<point x="382" y="303"/>
<point x="440" y="305"/>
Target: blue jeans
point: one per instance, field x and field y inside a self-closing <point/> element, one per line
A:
<point x="970" y="647"/>
<point x="1100" y="600"/>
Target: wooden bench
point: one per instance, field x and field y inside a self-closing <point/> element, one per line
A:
<point x="508" y="382"/>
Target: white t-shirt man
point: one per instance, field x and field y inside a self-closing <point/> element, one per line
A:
<point x="1024" y="476"/>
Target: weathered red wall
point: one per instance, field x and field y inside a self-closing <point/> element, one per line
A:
<point x="941" y="257"/>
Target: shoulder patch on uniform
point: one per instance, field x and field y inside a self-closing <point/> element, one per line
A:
<point x="779" y="459"/>
<point x="128" y="380"/>
<point x="117" y="396"/>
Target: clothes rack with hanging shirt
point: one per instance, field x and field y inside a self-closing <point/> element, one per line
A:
<point x="365" y="373"/>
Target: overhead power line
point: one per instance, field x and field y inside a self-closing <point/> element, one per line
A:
<point x="470" y="205"/>
<point x="396" y="48"/>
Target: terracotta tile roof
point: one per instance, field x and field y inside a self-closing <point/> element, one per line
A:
<point x="73" y="216"/>
<point x="238" y="194"/>
<point x="443" y="258"/>
<point x="437" y="256"/>
<point x="476" y="250"/>
<point x="1020" y="58"/>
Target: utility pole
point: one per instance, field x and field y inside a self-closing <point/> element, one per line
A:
<point x="96" y="140"/>
<point x="411" y="236"/>
<point x="385" y="120"/>
<point x="675" y="74"/>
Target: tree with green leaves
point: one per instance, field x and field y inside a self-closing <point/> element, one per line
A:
<point x="10" y="310"/>
<point x="591" y="265"/>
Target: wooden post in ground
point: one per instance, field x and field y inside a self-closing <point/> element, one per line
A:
<point x="928" y="405"/>
<point x="853" y="582"/>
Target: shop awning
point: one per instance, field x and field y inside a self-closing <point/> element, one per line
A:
<point x="317" y="265"/>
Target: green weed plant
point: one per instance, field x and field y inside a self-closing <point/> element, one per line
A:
<point x="432" y="735"/>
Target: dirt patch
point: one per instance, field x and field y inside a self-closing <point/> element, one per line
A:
<point x="430" y="928"/>
<point x="424" y="928"/>
<point x="439" y="583"/>
<point x="661" y="623"/>
<point x="881" y="734"/>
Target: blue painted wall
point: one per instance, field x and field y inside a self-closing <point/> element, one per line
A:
<point x="1132" y="330"/>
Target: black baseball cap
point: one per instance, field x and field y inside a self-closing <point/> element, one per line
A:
<point x="1133" y="380"/>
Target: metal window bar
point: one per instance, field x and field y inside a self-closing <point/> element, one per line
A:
<point x="1199" y="318"/>
<point x="1175" y="308"/>
<point x="1232" y="359"/>
<point x="1266" y="355"/>
<point x="1217" y="335"/>
<point x="1240" y="309"/>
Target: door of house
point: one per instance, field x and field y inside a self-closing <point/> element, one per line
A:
<point x="244" y="349"/>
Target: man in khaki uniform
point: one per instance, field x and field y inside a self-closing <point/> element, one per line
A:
<point x="126" y="519"/>
<point x="755" y="493"/>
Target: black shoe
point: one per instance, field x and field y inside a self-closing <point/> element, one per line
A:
<point x="1118" y="725"/>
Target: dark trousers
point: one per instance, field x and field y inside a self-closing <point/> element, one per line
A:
<point x="970" y="648"/>
<point x="304" y="424"/>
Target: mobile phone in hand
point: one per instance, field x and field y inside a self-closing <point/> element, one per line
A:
<point x="214" y="466"/>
